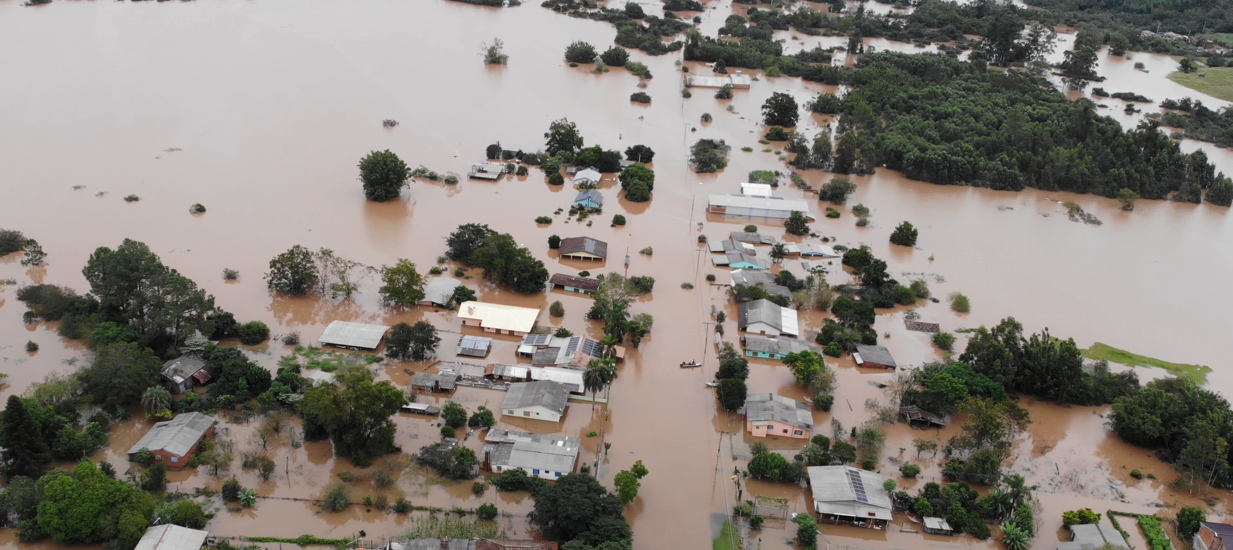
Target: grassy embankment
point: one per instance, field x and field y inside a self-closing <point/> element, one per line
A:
<point x="1102" y="352"/>
<point x="1218" y="83"/>
<point x="728" y="538"/>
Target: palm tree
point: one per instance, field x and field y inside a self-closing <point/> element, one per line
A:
<point x="593" y="380"/>
<point x="1014" y="537"/>
<point x="156" y="400"/>
<point x="609" y="346"/>
<point x="778" y="252"/>
<point x="609" y="370"/>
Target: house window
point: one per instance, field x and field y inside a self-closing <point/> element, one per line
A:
<point x="558" y="474"/>
<point x="158" y="457"/>
<point x="511" y="411"/>
<point x="175" y="459"/>
<point x="536" y="471"/>
<point x="526" y="413"/>
<point x="785" y="430"/>
<point x="797" y="432"/>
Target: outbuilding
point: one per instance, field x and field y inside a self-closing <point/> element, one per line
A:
<point x="770" y="415"/>
<point x="584" y="248"/>
<point x="474" y="346"/>
<point x="843" y="494"/>
<point x="434" y="382"/>
<point x="184" y="372"/>
<point x="572" y="283"/>
<point x="357" y="336"/>
<point x="778" y="208"/>
<point x="440" y="291"/>
<point x="875" y="357"/>
<point x="486" y="170"/>
<point x="938" y="526"/>
<point x="540" y="400"/>
<point x="768" y="318"/>
<point x="173" y="442"/>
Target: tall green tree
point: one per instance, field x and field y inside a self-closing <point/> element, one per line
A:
<point x="578" y="507"/>
<point x="25" y="452"/>
<point x="156" y="400"/>
<point x="402" y="285"/>
<point x="119" y="374"/>
<point x="509" y="264"/>
<point x="562" y="135"/>
<point x="293" y="272"/>
<point x="627" y="486"/>
<point x="85" y="506"/>
<point x="780" y="110"/>
<point x="465" y="240"/>
<point x="797" y="223"/>
<point x="355" y="413"/>
<point x="383" y="175"/>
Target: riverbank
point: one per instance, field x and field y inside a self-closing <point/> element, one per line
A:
<point x="1216" y="82"/>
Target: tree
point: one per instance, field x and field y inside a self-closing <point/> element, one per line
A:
<point x="732" y="364"/>
<point x="804" y="366"/>
<point x="633" y="11"/>
<point x="1187" y="65"/>
<point x="454" y="415"/>
<point x="463" y="295"/>
<point x="639" y="153"/>
<point x="1079" y="67"/>
<point x="505" y="262"/>
<point x="293" y="272"/>
<point x="416" y="342"/>
<point x="383" y="175"/>
<point x="355" y="413"/>
<point x="1015" y="538"/>
<point x="627" y="486"/>
<point x="119" y="373"/>
<point x="1083" y="516"/>
<point x="24" y="449"/>
<point x="769" y="466"/>
<point x="732" y="393"/>
<point x="780" y="110"/>
<point x="1221" y="192"/>
<point x="796" y="224"/>
<point x="85" y="506"/>
<point x="156" y="401"/>
<point x="1188" y="520"/>
<point x="580" y="52"/>
<point x="806" y="531"/>
<point x="465" y="240"/>
<point x="578" y="507"/>
<point x="252" y="333"/>
<point x="1127" y="198"/>
<point x="615" y="56"/>
<point x="853" y="313"/>
<point x="709" y="155"/>
<point x="837" y="190"/>
<point x="494" y="54"/>
<point x="187" y="513"/>
<point x="638" y="181"/>
<point x="33" y="254"/>
<point x="482" y="418"/>
<point x="402" y="284"/>
<point x="562" y="135"/>
<point x="337" y="498"/>
<point x="904" y="235"/>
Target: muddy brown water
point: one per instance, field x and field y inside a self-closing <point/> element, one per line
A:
<point x="270" y="105"/>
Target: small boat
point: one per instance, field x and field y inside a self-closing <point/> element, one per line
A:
<point x="712" y="384"/>
<point x="690" y="365"/>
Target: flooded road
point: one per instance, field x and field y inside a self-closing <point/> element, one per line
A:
<point x="269" y="106"/>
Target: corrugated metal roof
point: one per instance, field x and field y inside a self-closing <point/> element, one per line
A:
<point x="434" y="380"/>
<point x="440" y="290"/>
<point x="499" y="316"/>
<point x="532" y="451"/>
<point x="353" y="335"/>
<point x="765" y="311"/>
<point x="541" y="393"/>
<point x="584" y="283"/>
<point x="590" y="175"/>
<point x="180" y="368"/>
<point x="592" y="195"/>
<point x="320" y="376"/>
<point x="176" y="436"/>
<point x="589" y="245"/>
<point x="814" y="249"/>
<point x="474" y="346"/>
<point x="847" y="491"/>
<point x="937" y="523"/>
<point x="748" y="262"/>
<point x="780" y="346"/>
<point x="747" y="237"/>
<point x="761" y="407"/>
<point x="756" y="189"/>
<point x="1095" y="536"/>
<point x="759" y="203"/>
<point x="171" y="537"/>
<point x="876" y="354"/>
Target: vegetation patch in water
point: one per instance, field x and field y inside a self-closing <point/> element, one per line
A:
<point x="1103" y="352"/>
<point x="1216" y="82"/>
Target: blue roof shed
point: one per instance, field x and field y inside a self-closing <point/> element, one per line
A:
<point x="590" y="198"/>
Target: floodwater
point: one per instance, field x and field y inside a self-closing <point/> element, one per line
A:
<point x="260" y="112"/>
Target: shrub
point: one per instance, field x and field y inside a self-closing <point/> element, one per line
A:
<point x="920" y="288"/>
<point x="959" y="303"/>
<point x="494" y="54"/>
<point x="824" y="402"/>
<point x="1083" y="516"/>
<point x="860" y="210"/>
<point x="486" y="510"/>
<point x="751" y="228"/>
<point x="909" y="469"/>
<point x="615" y="56"/>
<point x="231" y="490"/>
<point x="554" y="242"/>
<point x="230" y="274"/>
<point x="580" y="52"/>
<point x="291" y="338"/>
<point x="777" y="133"/>
<point x="196" y="209"/>
<point x="1188" y="520"/>
<point x="832" y="213"/>
<point x="556" y="178"/>
<point x="478" y="488"/>
<point x="383" y="175"/>
<point x="638" y="69"/>
<point x="755" y="522"/>
<point x="725" y="92"/>
<point x="556" y="309"/>
<point x="833" y="349"/>
<point x="618" y="220"/>
<point x="402" y="506"/>
<point x="31" y="347"/>
<point x="447" y="431"/>
<point x="710" y="277"/>
<point x="253" y="333"/>
<point x="647" y="251"/>
<point x="944" y="340"/>
<point x="862" y="222"/>
<point x="706" y="117"/>
<point x="337" y="498"/>
<point x="522" y="171"/>
<point x="132" y="198"/>
<point x="904" y="235"/>
<point x="11" y="241"/>
<point x="1136" y="474"/>
<point x="454" y="415"/>
<point x="543" y="219"/>
<point x="837" y="190"/>
<point x="640" y="97"/>
<point x="709" y="155"/>
<point x="687" y="286"/>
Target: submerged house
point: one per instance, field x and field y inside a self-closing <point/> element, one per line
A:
<point x="757" y="207"/>
<point x="540" y="400"/>
<point x="843" y="494"/>
<point x="570" y="378"/>
<point x="738" y="80"/>
<point x="1093" y="537"/>
<point x="439" y="291"/>
<point x="171" y="537"/>
<point x="763" y="279"/>
<point x="584" y="248"/>
<point x="1213" y="536"/>
<point x="740" y="261"/>
<point x="434" y="381"/>
<point x="498" y="318"/>
<point x="587" y="177"/>
<point x="357" y="336"/>
<point x="765" y="317"/>
<point x="182" y="373"/>
<point x="937" y="526"/>
<point x="546" y="350"/>
<point x="571" y="283"/>
<point x="774" y="348"/>
<point x="486" y="170"/>
<point x="730" y="246"/>
<point x="767" y="414"/>
<point x="173" y="442"/>
<point x="810" y="250"/>
<point x="589" y="198"/>
<point x="874" y="357"/>
<point x="755" y="238"/>
<point x="541" y="455"/>
<point x="474" y="346"/>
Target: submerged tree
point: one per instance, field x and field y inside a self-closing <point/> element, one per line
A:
<point x="383" y="175"/>
<point x="355" y="413"/>
<point x="494" y="54"/>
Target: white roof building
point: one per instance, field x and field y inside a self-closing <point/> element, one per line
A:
<point x="738" y="80"/>
<point x="353" y="335"/>
<point x="498" y="318"/>
<point x="542" y="400"/>
<point x="570" y="378"/>
<point x="171" y="537"/>
<point x="756" y="207"/>
<point x="766" y="317"/>
<point x="844" y="493"/>
<point x="589" y="176"/>
<point x="542" y="455"/>
<point x="756" y="189"/>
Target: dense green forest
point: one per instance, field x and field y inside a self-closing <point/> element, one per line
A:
<point x="1199" y="122"/>
<point x="1180" y="16"/>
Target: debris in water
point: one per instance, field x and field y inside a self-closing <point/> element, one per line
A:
<point x="172" y="150"/>
<point x="389" y="123"/>
<point x="78" y="187"/>
<point x="1077" y="213"/>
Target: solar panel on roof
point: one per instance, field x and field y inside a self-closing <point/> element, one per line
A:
<point x="858" y="486"/>
<point x="591" y="347"/>
<point x="536" y="339"/>
<point x="572" y="346"/>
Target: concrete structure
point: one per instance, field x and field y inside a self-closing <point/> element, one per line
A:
<point x="1213" y="536"/>
<point x="182" y="373"/>
<point x="498" y="318"/>
<point x="849" y="495"/>
<point x="756" y="189"/>
<point x="486" y="170"/>
<point x="342" y="334"/>
<point x="439" y="291"/>
<point x="589" y="198"/>
<point x="590" y="176"/>
<point x="584" y="248"/>
<point x="1092" y="537"/>
<point x="570" y="378"/>
<point x="938" y="526"/>
<point x="474" y="346"/>
<point x="541" y="400"/>
<point x="570" y="283"/>
<point x="774" y="348"/>
<point x="540" y="455"/>
<point x="741" y="261"/>
<point x="757" y="207"/>
<point x="755" y="238"/>
<point x="765" y="317"/>
<point x="874" y="357"/>
<point x="738" y="80"/>
<point x="434" y="382"/>
<point x="763" y="279"/>
<point x="173" y="442"/>
<point x="171" y="537"/>
<point x="767" y="415"/>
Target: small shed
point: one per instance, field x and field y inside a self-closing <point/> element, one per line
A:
<point x="874" y="357"/>
<point x="357" y="336"/>
<point x="937" y="526"/>
<point x="571" y="283"/>
<point x="486" y="170"/>
<point x="474" y="346"/>
<point x="182" y="373"/>
<point x="918" y="417"/>
<point x="584" y="248"/>
<point x="420" y="408"/>
<point x="439" y="291"/>
<point x="589" y="198"/>
<point x="434" y="382"/>
<point x="590" y="176"/>
<point x="1093" y="537"/>
<point x="171" y="537"/>
<point x="756" y="189"/>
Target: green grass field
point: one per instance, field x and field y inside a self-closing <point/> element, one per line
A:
<point x="1101" y="352"/>
<point x="728" y="539"/>
<point x="1218" y="83"/>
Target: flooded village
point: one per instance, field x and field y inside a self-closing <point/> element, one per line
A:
<point x="669" y="346"/>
